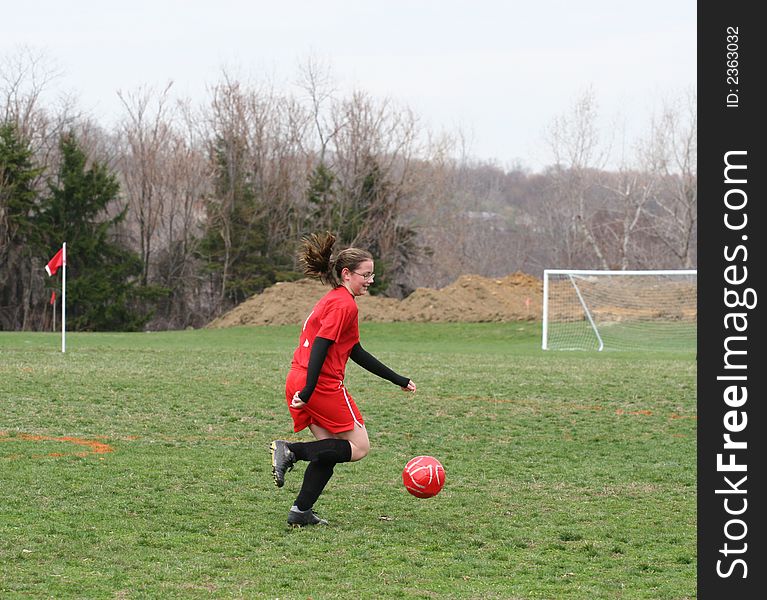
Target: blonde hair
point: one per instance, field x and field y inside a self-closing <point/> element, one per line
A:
<point x="316" y="254"/>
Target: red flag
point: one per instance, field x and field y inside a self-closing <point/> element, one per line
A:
<point x="53" y="297"/>
<point x="54" y="264"/>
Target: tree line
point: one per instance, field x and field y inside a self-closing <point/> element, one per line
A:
<point x="176" y="213"/>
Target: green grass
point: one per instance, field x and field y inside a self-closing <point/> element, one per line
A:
<point x="670" y="336"/>
<point x="569" y="474"/>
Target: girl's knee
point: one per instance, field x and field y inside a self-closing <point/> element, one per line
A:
<point x="360" y="450"/>
<point x="360" y="443"/>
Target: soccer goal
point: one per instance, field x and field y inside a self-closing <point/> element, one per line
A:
<point x="620" y="310"/>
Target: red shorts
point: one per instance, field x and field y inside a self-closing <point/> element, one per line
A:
<point x="331" y="405"/>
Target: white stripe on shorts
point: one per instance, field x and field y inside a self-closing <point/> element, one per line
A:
<point x="349" y="405"/>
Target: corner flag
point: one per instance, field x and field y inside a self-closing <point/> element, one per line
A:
<point x="56" y="262"/>
<point x="60" y="260"/>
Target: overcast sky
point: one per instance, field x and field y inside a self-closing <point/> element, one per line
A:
<point x="501" y="71"/>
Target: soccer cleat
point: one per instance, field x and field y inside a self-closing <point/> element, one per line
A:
<point x="282" y="461"/>
<point x="299" y="518"/>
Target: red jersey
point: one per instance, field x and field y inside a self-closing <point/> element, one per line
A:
<point x="334" y="317"/>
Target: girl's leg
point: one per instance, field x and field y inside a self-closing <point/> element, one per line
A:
<point x="357" y="437"/>
<point x="320" y="470"/>
<point x="319" y="432"/>
<point x="316" y="475"/>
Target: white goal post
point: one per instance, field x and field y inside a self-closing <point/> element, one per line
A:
<point x="620" y="310"/>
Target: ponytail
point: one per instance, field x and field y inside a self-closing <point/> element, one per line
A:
<point x="316" y="254"/>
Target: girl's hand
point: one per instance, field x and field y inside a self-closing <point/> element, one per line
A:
<point x="410" y="387"/>
<point x="296" y="402"/>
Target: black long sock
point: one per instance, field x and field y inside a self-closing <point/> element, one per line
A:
<point x="316" y="477"/>
<point x="329" y="450"/>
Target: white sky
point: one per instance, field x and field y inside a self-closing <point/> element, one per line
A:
<point x="501" y="71"/>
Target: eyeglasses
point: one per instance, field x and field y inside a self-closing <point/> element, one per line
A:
<point x="365" y="276"/>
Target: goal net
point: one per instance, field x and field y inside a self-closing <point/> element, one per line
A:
<point x="620" y="310"/>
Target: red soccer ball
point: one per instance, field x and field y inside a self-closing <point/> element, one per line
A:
<point x="423" y="476"/>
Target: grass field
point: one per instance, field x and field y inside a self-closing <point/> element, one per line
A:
<point x="678" y="336"/>
<point x="137" y="466"/>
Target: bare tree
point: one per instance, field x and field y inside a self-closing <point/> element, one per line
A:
<point x="187" y="182"/>
<point x="228" y="132"/>
<point x="257" y="142"/>
<point x="281" y="173"/>
<point x="373" y="152"/>
<point x="671" y="153"/>
<point x="435" y="211"/>
<point x="576" y="146"/>
<point x="26" y="77"/>
<point x="145" y="133"/>
<point x="317" y="83"/>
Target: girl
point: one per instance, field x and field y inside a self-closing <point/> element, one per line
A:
<point x="314" y="389"/>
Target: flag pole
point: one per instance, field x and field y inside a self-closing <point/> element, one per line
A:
<point x="64" y="299"/>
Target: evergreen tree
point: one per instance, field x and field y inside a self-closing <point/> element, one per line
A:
<point x="102" y="289"/>
<point x="235" y="247"/>
<point x="365" y="213"/>
<point x="324" y="210"/>
<point x="19" y="240"/>
<point x="17" y="177"/>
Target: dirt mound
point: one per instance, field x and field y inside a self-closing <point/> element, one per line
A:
<point x="471" y="298"/>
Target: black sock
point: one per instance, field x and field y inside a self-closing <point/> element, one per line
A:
<point x="316" y="476"/>
<point x="330" y="450"/>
